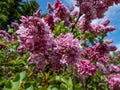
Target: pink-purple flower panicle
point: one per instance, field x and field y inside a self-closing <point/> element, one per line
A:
<point x="114" y="81"/>
<point x="36" y="37"/>
<point x="98" y="52"/>
<point x="5" y="35"/>
<point x="95" y="8"/>
<point x="69" y="48"/>
<point x="85" y="68"/>
<point x="61" y="12"/>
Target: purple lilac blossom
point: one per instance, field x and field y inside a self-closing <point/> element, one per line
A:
<point x="98" y="52"/>
<point x="61" y="12"/>
<point x="69" y="48"/>
<point x="36" y="37"/>
<point x="114" y="81"/>
<point x="85" y="68"/>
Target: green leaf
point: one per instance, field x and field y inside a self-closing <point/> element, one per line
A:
<point x="15" y="85"/>
<point x="42" y="88"/>
<point x="11" y="30"/>
<point x="17" y="77"/>
<point x="22" y="76"/>
<point x="60" y="28"/>
<point x="53" y="87"/>
<point x="67" y="81"/>
<point x="8" y="85"/>
<point x="16" y="82"/>
<point x="30" y="88"/>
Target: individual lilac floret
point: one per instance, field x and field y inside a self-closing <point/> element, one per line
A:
<point x="108" y="41"/>
<point x="114" y="81"/>
<point x="85" y="68"/>
<point x="105" y="22"/>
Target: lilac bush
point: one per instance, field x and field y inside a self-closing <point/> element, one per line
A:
<point x="64" y="50"/>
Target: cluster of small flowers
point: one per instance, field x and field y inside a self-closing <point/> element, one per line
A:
<point x="35" y="37"/>
<point x="114" y="81"/>
<point x="5" y="35"/>
<point x="95" y="28"/>
<point x="85" y="68"/>
<point x="102" y="27"/>
<point x="35" y="34"/>
<point x="94" y="8"/>
<point x="101" y="67"/>
<point x="66" y="52"/>
<point x="98" y="52"/>
<point x="107" y="69"/>
<point x="61" y="12"/>
<point x="113" y="68"/>
<point x="69" y="48"/>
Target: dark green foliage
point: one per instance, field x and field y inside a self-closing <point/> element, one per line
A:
<point x="29" y="7"/>
<point x="12" y="10"/>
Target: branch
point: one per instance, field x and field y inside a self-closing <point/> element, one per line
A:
<point x="76" y="22"/>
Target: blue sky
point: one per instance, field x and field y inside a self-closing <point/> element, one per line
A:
<point x="113" y="14"/>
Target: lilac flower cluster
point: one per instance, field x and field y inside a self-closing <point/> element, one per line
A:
<point x="98" y="52"/>
<point x="85" y="24"/>
<point x="5" y="35"/>
<point x="114" y="81"/>
<point x="69" y="48"/>
<point x="102" y="27"/>
<point x="85" y="68"/>
<point x="35" y="37"/>
<point x="95" y="28"/>
<point x="34" y="30"/>
<point x="66" y="52"/>
<point x="94" y="8"/>
<point x="61" y="12"/>
<point x="107" y="69"/>
<point x="102" y="68"/>
<point x="113" y="68"/>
